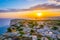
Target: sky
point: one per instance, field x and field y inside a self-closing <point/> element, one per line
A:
<point x="24" y="4"/>
<point x="19" y="4"/>
<point x="31" y="14"/>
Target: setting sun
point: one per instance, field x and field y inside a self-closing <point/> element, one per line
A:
<point x="39" y="14"/>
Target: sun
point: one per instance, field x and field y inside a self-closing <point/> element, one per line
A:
<point x="39" y="14"/>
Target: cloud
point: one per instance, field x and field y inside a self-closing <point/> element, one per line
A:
<point x="50" y="1"/>
<point x="54" y="2"/>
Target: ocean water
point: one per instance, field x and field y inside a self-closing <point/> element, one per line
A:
<point x="4" y="24"/>
<point x="3" y="29"/>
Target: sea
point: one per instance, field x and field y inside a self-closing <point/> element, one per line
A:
<point x="3" y="29"/>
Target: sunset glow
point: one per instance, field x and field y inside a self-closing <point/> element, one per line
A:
<point x="30" y="14"/>
<point x="39" y="14"/>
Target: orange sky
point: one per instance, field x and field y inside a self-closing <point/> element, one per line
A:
<point x="29" y="14"/>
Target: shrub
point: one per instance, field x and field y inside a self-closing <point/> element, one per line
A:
<point x="54" y="28"/>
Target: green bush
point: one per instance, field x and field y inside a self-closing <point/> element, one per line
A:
<point x="21" y="33"/>
<point x="49" y="38"/>
<point x="32" y="31"/>
<point x="54" y="28"/>
<point x="20" y="29"/>
<point x="38" y="39"/>
<point x="8" y="30"/>
<point x="41" y="26"/>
